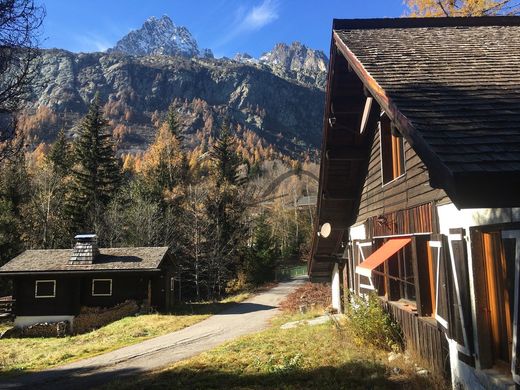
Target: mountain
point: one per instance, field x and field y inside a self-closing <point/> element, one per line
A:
<point x="294" y="62"/>
<point x="137" y="91"/>
<point x="159" y="37"/>
<point x="276" y="101"/>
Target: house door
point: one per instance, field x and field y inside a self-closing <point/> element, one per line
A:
<point x="499" y="264"/>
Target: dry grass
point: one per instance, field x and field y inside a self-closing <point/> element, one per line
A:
<point x="27" y="354"/>
<point x="306" y="357"/>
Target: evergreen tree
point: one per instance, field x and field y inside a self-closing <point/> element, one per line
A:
<point x="262" y="257"/>
<point x="225" y="156"/>
<point x="59" y="155"/>
<point x="96" y="172"/>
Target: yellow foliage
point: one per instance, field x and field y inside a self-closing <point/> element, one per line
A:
<point x="429" y="8"/>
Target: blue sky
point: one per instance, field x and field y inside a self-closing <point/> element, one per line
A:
<point x="225" y="26"/>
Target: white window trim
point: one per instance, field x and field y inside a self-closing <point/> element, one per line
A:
<point x="101" y="280"/>
<point x="45" y="296"/>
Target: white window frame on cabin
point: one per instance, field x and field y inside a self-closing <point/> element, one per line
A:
<point x="101" y="280"/>
<point x="45" y="281"/>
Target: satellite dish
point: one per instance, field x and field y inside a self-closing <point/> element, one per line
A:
<point x="325" y="230"/>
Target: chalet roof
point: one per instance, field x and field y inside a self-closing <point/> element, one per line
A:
<point x="450" y="86"/>
<point x="453" y="87"/>
<point x="109" y="259"/>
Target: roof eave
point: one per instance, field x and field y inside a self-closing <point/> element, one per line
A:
<point x="439" y="174"/>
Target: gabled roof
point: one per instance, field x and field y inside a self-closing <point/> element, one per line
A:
<point x="452" y="87"/>
<point x="109" y="259"/>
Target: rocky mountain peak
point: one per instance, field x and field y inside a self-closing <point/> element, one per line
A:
<point x="296" y="57"/>
<point x="159" y="37"/>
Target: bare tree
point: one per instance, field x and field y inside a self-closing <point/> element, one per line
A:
<point x="20" y="22"/>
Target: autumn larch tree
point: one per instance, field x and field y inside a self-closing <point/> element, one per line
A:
<point x="427" y="8"/>
<point x="96" y="172"/>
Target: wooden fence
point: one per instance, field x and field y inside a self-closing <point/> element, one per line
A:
<point x="423" y="337"/>
<point x="286" y="273"/>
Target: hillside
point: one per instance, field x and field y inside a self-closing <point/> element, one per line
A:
<point x="161" y="63"/>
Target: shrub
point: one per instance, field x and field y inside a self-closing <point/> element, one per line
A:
<point x="371" y="324"/>
<point x="309" y="295"/>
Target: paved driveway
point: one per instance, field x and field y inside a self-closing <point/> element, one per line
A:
<point x="243" y="318"/>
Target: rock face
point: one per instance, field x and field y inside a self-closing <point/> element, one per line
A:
<point x="278" y="97"/>
<point x="297" y="61"/>
<point x="136" y="90"/>
<point x="159" y="37"/>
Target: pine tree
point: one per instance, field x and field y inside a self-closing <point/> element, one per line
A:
<point x="225" y="157"/>
<point x="96" y="173"/>
<point x="59" y="155"/>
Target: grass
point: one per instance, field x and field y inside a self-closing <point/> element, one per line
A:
<point x="29" y="354"/>
<point x="305" y="357"/>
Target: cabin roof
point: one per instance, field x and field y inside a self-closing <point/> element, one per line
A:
<point x="450" y="86"/>
<point x="109" y="259"/>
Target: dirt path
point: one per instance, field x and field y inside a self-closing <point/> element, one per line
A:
<point x="243" y="318"/>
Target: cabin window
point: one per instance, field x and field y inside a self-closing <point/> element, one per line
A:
<point x="500" y="250"/>
<point x="45" y="289"/>
<point x="102" y="287"/>
<point x="400" y="280"/>
<point x="392" y="151"/>
<point x="172" y="283"/>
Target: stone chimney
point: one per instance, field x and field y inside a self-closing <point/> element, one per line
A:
<point x="85" y="250"/>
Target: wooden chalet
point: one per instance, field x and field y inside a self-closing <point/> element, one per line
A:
<point x="52" y="285"/>
<point x="419" y="190"/>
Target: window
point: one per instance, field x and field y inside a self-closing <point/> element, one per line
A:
<point x="101" y="287"/>
<point x="392" y="151"/>
<point x="172" y="283"/>
<point x="45" y="289"/>
<point x="499" y="256"/>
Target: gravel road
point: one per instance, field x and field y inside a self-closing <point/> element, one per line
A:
<point x="243" y="318"/>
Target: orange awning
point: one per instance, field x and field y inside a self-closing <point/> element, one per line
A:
<point x="377" y="258"/>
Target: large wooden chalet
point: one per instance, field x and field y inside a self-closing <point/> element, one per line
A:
<point x="52" y="285"/>
<point x="420" y="185"/>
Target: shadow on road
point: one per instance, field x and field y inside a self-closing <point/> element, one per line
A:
<point x="80" y="378"/>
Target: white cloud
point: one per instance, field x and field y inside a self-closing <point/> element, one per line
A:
<point x="248" y="20"/>
<point x="260" y="16"/>
<point x="89" y="42"/>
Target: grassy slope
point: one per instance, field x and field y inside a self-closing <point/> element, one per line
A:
<point x="301" y="358"/>
<point x="23" y="354"/>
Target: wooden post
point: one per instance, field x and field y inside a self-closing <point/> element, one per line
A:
<point x="149" y="293"/>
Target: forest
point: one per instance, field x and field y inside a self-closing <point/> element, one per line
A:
<point x="207" y="203"/>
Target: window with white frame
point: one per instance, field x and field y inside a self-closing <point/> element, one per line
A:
<point x="45" y="289"/>
<point x="101" y="287"/>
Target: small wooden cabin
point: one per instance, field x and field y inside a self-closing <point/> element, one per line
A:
<point x="419" y="190"/>
<point x="52" y="285"/>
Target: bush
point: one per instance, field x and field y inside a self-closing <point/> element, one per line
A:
<point x="309" y="295"/>
<point x="371" y="324"/>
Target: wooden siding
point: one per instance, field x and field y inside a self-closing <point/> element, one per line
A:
<point x="410" y="190"/>
<point x="66" y="301"/>
<point x="420" y="219"/>
<point x="423" y="337"/>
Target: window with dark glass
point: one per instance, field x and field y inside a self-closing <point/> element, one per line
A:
<point x="392" y="151"/>
<point x="101" y="287"/>
<point x="45" y="289"/>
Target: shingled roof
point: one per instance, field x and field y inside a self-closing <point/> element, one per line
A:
<point x="452" y="87"/>
<point x="109" y="259"/>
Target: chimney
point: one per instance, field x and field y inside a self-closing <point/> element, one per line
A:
<point x="85" y="250"/>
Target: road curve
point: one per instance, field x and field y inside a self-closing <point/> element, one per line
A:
<point x="243" y="318"/>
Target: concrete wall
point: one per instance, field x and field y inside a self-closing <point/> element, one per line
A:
<point x="336" y="289"/>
